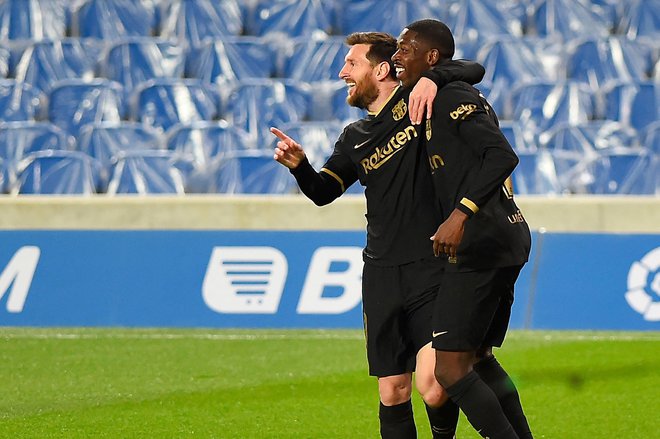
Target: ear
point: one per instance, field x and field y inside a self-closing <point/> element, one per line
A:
<point x="383" y="70"/>
<point x="433" y="56"/>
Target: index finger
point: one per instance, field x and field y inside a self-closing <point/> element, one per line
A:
<point x="280" y="134"/>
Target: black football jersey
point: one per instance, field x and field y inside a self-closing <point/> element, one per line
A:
<point x="471" y="163"/>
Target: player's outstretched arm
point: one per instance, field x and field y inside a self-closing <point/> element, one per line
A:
<point x="287" y="151"/>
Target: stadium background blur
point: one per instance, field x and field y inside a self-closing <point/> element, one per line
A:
<point x="110" y="98"/>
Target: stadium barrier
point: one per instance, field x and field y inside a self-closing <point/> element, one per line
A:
<point x="253" y="261"/>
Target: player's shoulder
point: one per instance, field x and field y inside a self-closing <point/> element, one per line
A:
<point x="458" y="89"/>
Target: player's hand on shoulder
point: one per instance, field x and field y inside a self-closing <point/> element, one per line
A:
<point x="287" y="151"/>
<point x="421" y="100"/>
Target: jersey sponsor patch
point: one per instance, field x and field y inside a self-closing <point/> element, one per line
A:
<point x="462" y="111"/>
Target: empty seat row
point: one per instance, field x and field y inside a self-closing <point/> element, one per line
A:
<point x="194" y="20"/>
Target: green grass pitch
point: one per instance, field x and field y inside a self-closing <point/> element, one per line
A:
<point x="153" y="383"/>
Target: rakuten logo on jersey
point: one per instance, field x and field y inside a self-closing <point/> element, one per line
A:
<point x="251" y="280"/>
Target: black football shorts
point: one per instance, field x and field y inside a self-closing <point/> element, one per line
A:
<point x="472" y="309"/>
<point x="397" y="303"/>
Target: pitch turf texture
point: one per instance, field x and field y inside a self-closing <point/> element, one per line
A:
<point x="136" y="383"/>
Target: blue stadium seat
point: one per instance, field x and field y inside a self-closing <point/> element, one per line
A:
<point x="56" y="172"/>
<point x="230" y="59"/>
<point x="470" y="20"/>
<point x="599" y="62"/>
<point x="112" y="19"/>
<point x="515" y="134"/>
<point x="205" y="142"/>
<point x="146" y="172"/>
<point x="194" y="21"/>
<point x="103" y="141"/>
<point x="257" y="104"/>
<point x="535" y="174"/>
<point x="5" y="59"/>
<point x="317" y="139"/>
<point x="34" y="20"/>
<point x="45" y="62"/>
<point x="19" y="101"/>
<point x="133" y="61"/>
<point x="589" y="137"/>
<point x="164" y="102"/>
<point x="385" y="15"/>
<point x="636" y="104"/>
<point x="626" y="171"/>
<point x="292" y="18"/>
<point x="73" y="103"/>
<point x="251" y="172"/>
<point x="650" y="138"/>
<point x="566" y="19"/>
<point x="542" y="105"/>
<point x="316" y="59"/>
<point x="510" y="61"/>
<point x="641" y="18"/>
<point x="18" y="139"/>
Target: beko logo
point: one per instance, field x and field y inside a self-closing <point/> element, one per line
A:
<point x="463" y="111"/>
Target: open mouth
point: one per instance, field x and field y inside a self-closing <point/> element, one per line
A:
<point x="399" y="70"/>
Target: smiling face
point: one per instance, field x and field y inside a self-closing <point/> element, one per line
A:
<point x="359" y="75"/>
<point x="412" y="58"/>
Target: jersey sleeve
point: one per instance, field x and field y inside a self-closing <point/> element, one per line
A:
<point x="474" y="123"/>
<point x="455" y="70"/>
<point x="336" y="175"/>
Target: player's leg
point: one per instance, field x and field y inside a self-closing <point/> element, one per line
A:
<point x="487" y="366"/>
<point x="463" y="312"/>
<point x="423" y="279"/>
<point x="441" y="410"/>
<point x="387" y="352"/>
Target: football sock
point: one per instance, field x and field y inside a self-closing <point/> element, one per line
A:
<point x="491" y="372"/>
<point x="481" y="407"/>
<point x="397" y="422"/>
<point x="443" y="420"/>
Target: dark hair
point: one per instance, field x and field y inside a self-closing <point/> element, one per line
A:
<point x="436" y="34"/>
<point x="382" y="47"/>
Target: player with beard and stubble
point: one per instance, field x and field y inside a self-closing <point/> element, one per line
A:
<point x="483" y="236"/>
<point x="401" y="276"/>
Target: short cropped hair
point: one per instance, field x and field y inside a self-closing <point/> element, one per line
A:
<point x="436" y="34"/>
<point x="382" y="47"/>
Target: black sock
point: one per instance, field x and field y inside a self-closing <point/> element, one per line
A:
<point x="443" y="420"/>
<point x="481" y="407"/>
<point x="498" y="380"/>
<point x="397" y="422"/>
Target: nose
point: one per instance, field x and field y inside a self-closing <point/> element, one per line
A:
<point x="342" y="73"/>
<point x="395" y="57"/>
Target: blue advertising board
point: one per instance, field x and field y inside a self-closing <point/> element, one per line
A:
<point x="296" y="279"/>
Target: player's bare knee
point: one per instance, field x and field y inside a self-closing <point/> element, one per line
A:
<point x="394" y="390"/>
<point x="434" y="395"/>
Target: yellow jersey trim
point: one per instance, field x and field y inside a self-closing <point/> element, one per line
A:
<point x="336" y="177"/>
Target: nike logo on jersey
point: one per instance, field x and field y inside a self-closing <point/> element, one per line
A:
<point x="438" y="334"/>
<point x="361" y="144"/>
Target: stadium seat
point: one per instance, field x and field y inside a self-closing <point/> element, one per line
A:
<point x="385" y="15"/>
<point x="565" y="19"/>
<point x="599" y="62"/>
<point x="133" y="61"/>
<point x="315" y="59"/>
<point x="194" y="21"/>
<point x="257" y="104"/>
<point x="589" y="137"/>
<point x="636" y="104"/>
<point x="626" y="171"/>
<point x="650" y="138"/>
<point x="55" y="172"/>
<point x="112" y="19"/>
<point x="471" y="20"/>
<point x="205" y="142"/>
<point x="510" y="61"/>
<point x="230" y="59"/>
<point x="514" y="133"/>
<point x="163" y="103"/>
<point x="103" y="141"/>
<point x="146" y="172"/>
<point x="641" y="18"/>
<point x="32" y="19"/>
<point x="43" y="63"/>
<point x="73" y="103"/>
<point x="535" y="174"/>
<point x="19" y="101"/>
<point x="18" y="139"/>
<point x="292" y="18"/>
<point x="251" y="172"/>
<point x="542" y="105"/>
<point x="5" y="59"/>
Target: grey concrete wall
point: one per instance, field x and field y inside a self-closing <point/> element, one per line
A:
<point x="204" y="212"/>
